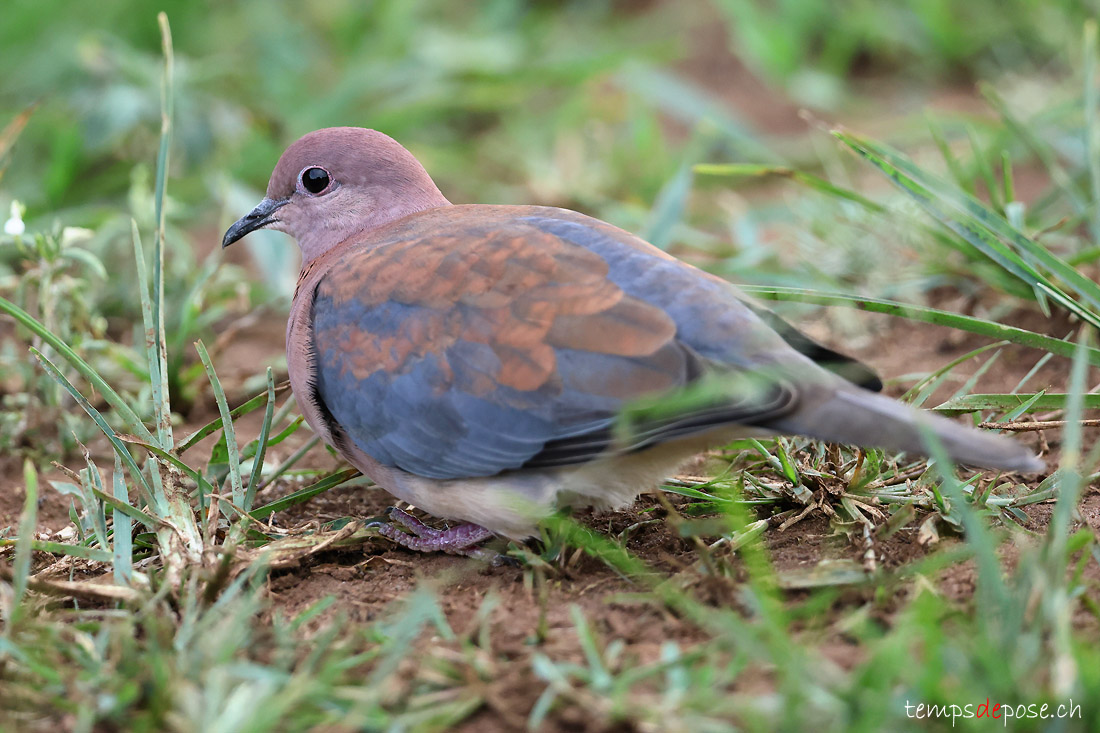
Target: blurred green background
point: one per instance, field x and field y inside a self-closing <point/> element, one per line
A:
<point x="588" y="104"/>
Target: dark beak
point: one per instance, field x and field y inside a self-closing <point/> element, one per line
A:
<point x="258" y="218"/>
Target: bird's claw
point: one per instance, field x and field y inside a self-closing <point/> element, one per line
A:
<point x="462" y="539"/>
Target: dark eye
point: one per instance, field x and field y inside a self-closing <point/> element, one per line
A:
<point x="315" y="180"/>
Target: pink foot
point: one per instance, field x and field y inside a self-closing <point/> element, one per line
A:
<point x="459" y="540"/>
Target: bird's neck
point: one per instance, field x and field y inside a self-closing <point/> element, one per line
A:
<point x="357" y="226"/>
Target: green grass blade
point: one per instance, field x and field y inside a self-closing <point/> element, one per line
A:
<point x="1027" y="406"/>
<point x="972" y="381"/>
<point x="157" y="377"/>
<point x="668" y="208"/>
<point x="295" y="456"/>
<point x="930" y="193"/>
<point x="166" y="457"/>
<point x="1008" y="184"/>
<point x="261" y="444"/>
<point x="192" y="312"/>
<point x="1043" y="151"/>
<point x="91" y="487"/>
<point x="227" y="426"/>
<point x="983" y="228"/>
<point x="807" y="179"/>
<point x="1001" y="402"/>
<point x="679" y="98"/>
<point x="164" y="423"/>
<point x="992" y="593"/>
<point x="28" y="524"/>
<point x="925" y="387"/>
<point x="600" y="676"/>
<point x="1070" y="479"/>
<point x="181" y="542"/>
<point x="122" y="547"/>
<point x="250" y="450"/>
<point x="926" y="315"/>
<point x="958" y="173"/>
<point x="985" y="169"/>
<point x="417" y="612"/>
<point x="86" y="258"/>
<point x="288" y="406"/>
<point x="133" y="422"/>
<point x="124" y="506"/>
<point x="97" y="417"/>
<point x="1092" y="125"/>
<point x="59" y="548"/>
<point x="214" y="425"/>
<point x="329" y="482"/>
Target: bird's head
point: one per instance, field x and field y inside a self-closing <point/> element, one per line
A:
<point x="338" y="182"/>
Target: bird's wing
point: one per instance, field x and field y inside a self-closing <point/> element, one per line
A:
<point x="714" y="316"/>
<point x="501" y="345"/>
<point x="842" y="365"/>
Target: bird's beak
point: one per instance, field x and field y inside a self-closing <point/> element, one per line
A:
<point x="258" y="218"/>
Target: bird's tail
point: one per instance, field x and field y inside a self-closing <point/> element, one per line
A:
<point x="860" y="417"/>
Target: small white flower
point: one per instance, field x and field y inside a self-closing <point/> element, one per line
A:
<point x="14" y="225"/>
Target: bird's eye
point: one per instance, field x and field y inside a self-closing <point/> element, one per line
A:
<point x="314" y="180"/>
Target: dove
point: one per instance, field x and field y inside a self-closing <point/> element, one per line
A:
<point x="489" y="364"/>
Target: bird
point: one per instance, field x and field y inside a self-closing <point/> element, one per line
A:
<point x="489" y="364"/>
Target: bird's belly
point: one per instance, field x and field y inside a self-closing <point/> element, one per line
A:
<point x="511" y="504"/>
